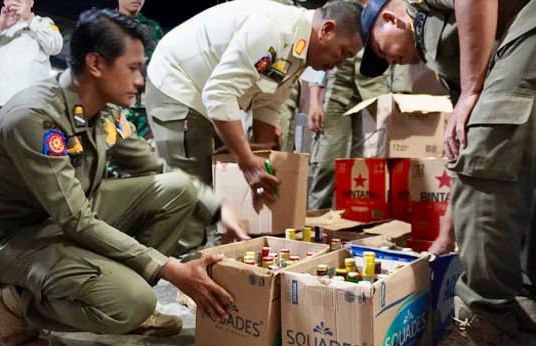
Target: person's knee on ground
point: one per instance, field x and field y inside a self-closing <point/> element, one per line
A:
<point x="132" y="303"/>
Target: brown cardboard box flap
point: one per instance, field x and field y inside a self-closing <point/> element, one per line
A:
<point x="332" y="220"/>
<point x="422" y="103"/>
<point x="376" y="242"/>
<point x="361" y="105"/>
<point x="408" y="103"/>
<point x="393" y="229"/>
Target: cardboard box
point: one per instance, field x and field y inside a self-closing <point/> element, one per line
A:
<point x="335" y="226"/>
<point x="318" y="311"/>
<point x="255" y="317"/>
<point x="444" y="272"/>
<point x="430" y="184"/>
<point x="406" y="126"/>
<point x="399" y="197"/>
<point x="361" y="188"/>
<point x="289" y="209"/>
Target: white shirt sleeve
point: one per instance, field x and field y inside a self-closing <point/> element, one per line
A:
<point x="236" y="73"/>
<point x="47" y="35"/>
<point x="314" y="77"/>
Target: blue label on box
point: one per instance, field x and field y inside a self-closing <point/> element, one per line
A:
<point x="294" y="292"/>
<point x="409" y="324"/>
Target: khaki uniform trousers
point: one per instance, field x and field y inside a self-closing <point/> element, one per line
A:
<point x="68" y="287"/>
<point x="184" y="138"/>
<point x="494" y="197"/>
<point x="287" y="119"/>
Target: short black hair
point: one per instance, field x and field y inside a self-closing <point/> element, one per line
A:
<point x="346" y="14"/>
<point x="102" y="31"/>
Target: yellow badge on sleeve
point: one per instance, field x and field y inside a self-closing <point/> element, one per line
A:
<point x="111" y="132"/>
<point x="300" y="46"/>
<point x="74" y="146"/>
<point x="281" y="66"/>
<point x="54" y="27"/>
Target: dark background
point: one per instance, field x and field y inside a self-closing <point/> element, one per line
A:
<point x="168" y="13"/>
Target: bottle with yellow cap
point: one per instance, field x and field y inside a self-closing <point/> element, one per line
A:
<point x="349" y="264"/>
<point x="341" y="272"/>
<point x="290" y="234"/>
<point x="307" y="234"/>
<point x="369" y="266"/>
<point x="284" y="254"/>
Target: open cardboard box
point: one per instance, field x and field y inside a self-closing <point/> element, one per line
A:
<point x="319" y="311"/>
<point x="406" y="126"/>
<point x="255" y="317"/>
<point x="444" y="272"/>
<point x="335" y="226"/>
<point x="290" y="208"/>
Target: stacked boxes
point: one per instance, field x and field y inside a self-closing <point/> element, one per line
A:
<point x="429" y="186"/>
<point x="406" y="142"/>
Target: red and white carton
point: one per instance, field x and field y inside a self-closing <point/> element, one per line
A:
<point x="361" y="188"/>
<point x="429" y="185"/>
<point x="399" y="200"/>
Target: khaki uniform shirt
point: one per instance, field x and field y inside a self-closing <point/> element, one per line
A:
<point x="239" y="55"/>
<point x="436" y="35"/>
<point x="53" y="161"/>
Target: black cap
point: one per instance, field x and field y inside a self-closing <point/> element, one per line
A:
<point x="371" y="65"/>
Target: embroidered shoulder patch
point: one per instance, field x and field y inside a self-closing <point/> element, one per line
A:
<point x="54" y="143"/>
<point x="111" y="132"/>
<point x="300" y="46"/>
<point x="263" y="64"/>
<point x="74" y="146"/>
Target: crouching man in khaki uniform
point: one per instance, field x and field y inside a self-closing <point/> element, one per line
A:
<point x="79" y="252"/>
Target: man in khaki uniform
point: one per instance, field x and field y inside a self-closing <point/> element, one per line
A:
<point x="240" y="55"/>
<point x="81" y="252"/>
<point x="336" y="135"/>
<point x="489" y="141"/>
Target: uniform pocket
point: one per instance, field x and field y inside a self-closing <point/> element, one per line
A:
<point x="170" y="126"/>
<point x="496" y="137"/>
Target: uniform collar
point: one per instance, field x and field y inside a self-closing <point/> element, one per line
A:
<point x="302" y="37"/>
<point x="72" y="102"/>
